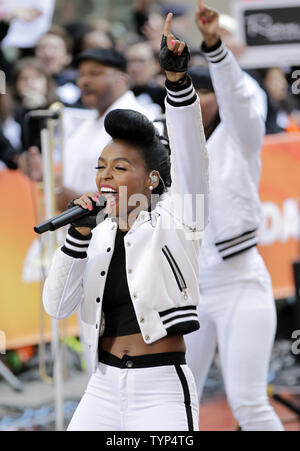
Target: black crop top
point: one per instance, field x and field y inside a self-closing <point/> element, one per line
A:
<point x="119" y="314"/>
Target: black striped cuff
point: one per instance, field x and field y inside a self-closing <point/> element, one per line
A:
<point x="216" y="53"/>
<point x="76" y="245"/>
<point x="234" y="246"/>
<point x="181" y="95"/>
<point x="180" y="319"/>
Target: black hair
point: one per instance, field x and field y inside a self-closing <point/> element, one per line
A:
<point x="134" y="128"/>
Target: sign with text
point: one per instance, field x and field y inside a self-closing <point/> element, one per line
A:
<point x="271" y="30"/>
<point x="23" y="265"/>
<point x="279" y="234"/>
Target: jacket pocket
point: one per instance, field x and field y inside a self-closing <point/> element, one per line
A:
<point x="176" y="271"/>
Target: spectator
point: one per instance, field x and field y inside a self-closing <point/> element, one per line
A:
<point x="142" y="69"/>
<point x="8" y="154"/>
<point x="78" y="31"/>
<point x="54" y="49"/>
<point x="5" y="65"/>
<point x="33" y="88"/>
<point x="98" y="38"/>
<point x="282" y="106"/>
<point x="149" y="23"/>
<point x="10" y="131"/>
<point x="10" y="128"/>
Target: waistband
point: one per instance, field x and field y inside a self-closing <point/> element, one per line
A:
<point x="142" y="361"/>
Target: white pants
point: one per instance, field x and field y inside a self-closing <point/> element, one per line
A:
<point x="239" y="315"/>
<point x="144" y="393"/>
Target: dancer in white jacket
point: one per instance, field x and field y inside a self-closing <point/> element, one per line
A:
<point x="136" y="281"/>
<point x="237" y="312"/>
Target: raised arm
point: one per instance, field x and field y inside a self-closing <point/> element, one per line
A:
<point x="23" y="14"/>
<point x="185" y="129"/>
<point x="240" y="99"/>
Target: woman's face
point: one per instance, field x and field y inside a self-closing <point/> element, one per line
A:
<point x="53" y="53"/>
<point x="122" y="177"/>
<point x="31" y="80"/>
<point x="276" y="84"/>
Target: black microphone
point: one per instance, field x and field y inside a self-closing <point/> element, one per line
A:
<point x="69" y="216"/>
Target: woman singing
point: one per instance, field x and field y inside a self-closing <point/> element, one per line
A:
<point x="135" y="276"/>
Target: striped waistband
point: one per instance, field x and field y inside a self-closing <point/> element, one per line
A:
<point x="142" y="361"/>
<point x="234" y="246"/>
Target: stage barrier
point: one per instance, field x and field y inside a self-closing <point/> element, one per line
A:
<point x="21" y="259"/>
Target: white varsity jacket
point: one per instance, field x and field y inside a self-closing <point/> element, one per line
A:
<point x="162" y="248"/>
<point x="234" y="151"/>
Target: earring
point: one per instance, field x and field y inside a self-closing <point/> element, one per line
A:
<point x="153" y="178"/>
<point x="151" y="188"/>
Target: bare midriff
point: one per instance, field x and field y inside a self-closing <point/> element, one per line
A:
<point x="134" y="345"/>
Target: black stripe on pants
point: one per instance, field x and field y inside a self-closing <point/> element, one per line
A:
<point x="187" y="397"/>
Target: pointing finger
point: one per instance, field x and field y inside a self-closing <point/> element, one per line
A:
<point x="201" y="6"/>
<point x="168" y="22"/>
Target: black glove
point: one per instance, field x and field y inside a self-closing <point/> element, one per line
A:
<point x="171" y="62"/>
<point x="94" y="217"/>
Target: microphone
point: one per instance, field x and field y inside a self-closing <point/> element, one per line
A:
<point x="69" y="216"/>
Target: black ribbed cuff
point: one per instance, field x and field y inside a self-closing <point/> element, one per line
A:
<point x="216" y="53"/>
<point x="181" y="94"/>
<point x="76" y="245"/>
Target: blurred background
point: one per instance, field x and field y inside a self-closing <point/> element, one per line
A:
<point x="43" y="371"/>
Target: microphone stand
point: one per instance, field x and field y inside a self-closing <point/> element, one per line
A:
<point x="56" y="348"/>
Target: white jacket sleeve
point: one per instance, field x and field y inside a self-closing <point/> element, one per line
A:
<point x="63" y="290"/>
<point x="241" y="104"/>
<point x="189" y="159"/>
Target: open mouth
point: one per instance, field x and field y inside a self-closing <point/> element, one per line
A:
<point x="110" y="194"/>
<point x="87" y="93"/>
<point x="108" y="190"/>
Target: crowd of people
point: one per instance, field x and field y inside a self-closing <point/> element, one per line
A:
<point x="140" y="322"/>
<point x="47" y="73"/>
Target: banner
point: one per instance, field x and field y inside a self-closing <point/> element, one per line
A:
<point x="271" y="31"/>
<point x="27" y="34"/>
<point x="279" y="234"/>
<point x="21" y="264"/>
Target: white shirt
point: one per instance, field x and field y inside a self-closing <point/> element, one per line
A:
<point x="234" y="151"/>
